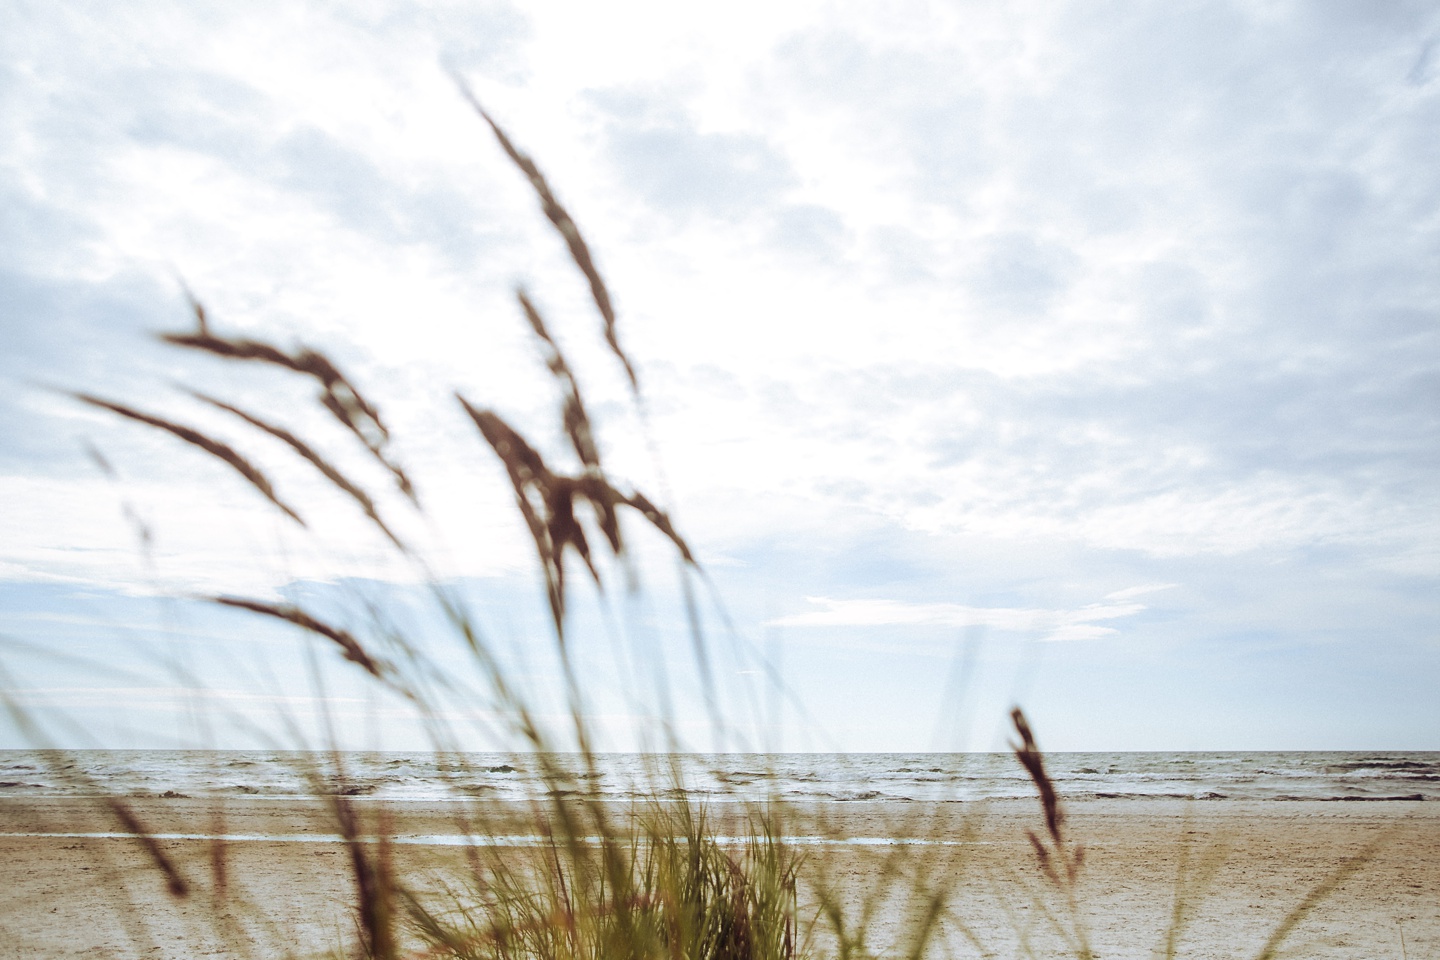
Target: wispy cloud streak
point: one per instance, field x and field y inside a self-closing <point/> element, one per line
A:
<point x="1083" y="623"/>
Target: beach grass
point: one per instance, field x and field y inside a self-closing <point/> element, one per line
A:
<point x="655" y="880"/>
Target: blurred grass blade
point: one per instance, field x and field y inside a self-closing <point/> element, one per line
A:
<point x="337" y="394"/>
<point x="564" y="224"/>
<point x="307" y="453"/>
<point x="349" y="646"/>
<point x="214" y="447"/>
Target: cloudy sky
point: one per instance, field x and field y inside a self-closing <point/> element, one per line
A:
<point x="1084" y="356"/>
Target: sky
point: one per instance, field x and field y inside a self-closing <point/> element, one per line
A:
<point x="1084" y="356"/>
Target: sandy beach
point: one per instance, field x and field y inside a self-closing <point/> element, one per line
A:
<point x="69" y="895"/>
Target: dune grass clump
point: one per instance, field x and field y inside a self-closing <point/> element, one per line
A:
<point x="669" y="892"/>
<point x="657" y="881"/>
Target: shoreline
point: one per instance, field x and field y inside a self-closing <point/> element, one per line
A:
<point x="84" y="896"/>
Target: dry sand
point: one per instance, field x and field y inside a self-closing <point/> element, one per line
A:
<point x="101" y="898"/>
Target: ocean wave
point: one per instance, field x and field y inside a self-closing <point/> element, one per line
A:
<point x="821" y="778"/>
<point x="1380" y="763"/>
<point x="1104" y="795"/>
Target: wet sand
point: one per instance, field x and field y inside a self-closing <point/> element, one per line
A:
<point x="79" y="896"/>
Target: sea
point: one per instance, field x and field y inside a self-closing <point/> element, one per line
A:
<point x="720" y="778"/>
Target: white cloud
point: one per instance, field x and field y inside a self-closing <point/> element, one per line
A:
<point x="1078" y="624"/>
<point x="1140" y="590"/>
<point x="961" y="270"/>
